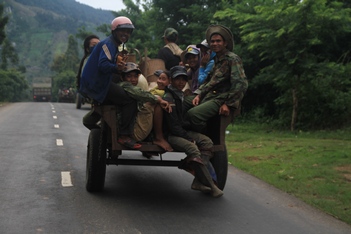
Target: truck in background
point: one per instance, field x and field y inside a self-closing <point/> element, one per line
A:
<point x="41" y="92"/>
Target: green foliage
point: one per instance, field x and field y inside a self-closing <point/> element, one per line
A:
<point x="13" y="86"/>
<point x="190" y="19"/>
<point x="8" y="54"/>
<point x="66" y="67"/>
<point x="39" y="29"/>
<point x="3" y="22"/>
<point x="65" y="79"/>
<point x="298" y="43"/>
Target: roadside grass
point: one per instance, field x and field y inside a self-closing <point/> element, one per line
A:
<point x="313" y="166"/>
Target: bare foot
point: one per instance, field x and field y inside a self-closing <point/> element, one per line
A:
<point x="163" y="144"/>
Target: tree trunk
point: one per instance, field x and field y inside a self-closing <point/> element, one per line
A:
<point x="294" y="109"/>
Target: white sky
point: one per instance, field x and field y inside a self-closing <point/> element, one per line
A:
<point x="112" y="5"/>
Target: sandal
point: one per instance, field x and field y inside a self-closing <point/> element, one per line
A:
<point x="129" y="143"/>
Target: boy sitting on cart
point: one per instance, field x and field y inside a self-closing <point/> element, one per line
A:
<point x="196" y="146"/>
<point x="147" y="102"/>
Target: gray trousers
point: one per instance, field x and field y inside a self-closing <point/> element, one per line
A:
<point x="189" y="148"/>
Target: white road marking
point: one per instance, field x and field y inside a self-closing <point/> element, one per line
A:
<point x="56" y="126"/>
<point x="55" y="117"/>
<point x="53" y="111"/>
<point x="59" y="142"/>
<point x="66" y="179"/>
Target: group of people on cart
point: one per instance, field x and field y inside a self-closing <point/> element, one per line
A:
<point x="200" y="82"/>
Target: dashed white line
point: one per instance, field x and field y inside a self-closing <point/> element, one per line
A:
<point x="56" y="126"/>
<point x="53" y="111"/>
<point x="55" y="117"/>
<point x="66" y="179"/>
<point x="59" y="142"/>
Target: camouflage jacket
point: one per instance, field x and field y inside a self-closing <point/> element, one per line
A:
<point x="138" y="94"/>
<point x="227" y="83"/>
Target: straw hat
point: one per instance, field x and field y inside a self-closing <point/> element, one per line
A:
<point x="224" y="32"/>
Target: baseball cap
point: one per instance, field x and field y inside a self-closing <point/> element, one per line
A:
<point x="129" y="66"/>
<point x="203" y="43"/>
<point x="191" y="49"/>
<point x="178" y="71"/>
<point x="170" y="33"/>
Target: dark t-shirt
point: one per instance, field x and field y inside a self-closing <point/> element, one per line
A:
<point x="170" y="59"/>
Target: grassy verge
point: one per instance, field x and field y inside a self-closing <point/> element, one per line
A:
<point x="313" y="166"/>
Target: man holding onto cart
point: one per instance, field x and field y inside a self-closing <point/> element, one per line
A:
<point x="96" y="83"/>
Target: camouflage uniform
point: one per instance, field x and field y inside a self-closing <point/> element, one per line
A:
<point x="227" y="85"/>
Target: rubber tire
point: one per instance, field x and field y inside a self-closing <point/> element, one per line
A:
<point x="220" y="164"/>
<point x="95" y="167"/>
<point x="78" y="101"/>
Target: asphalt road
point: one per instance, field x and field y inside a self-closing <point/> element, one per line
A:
<point x="42" y="188"/>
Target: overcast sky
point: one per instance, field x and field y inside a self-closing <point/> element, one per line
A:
<point x="113" y="5"/>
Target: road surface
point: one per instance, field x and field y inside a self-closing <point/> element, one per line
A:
<point x="42" y="188"/>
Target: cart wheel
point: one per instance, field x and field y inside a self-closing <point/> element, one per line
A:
<point x="96" y="161"/>
<point x="78" y="101"/>
<point x="220" y="164"/>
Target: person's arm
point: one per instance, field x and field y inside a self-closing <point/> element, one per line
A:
<point x="204" y="71"/>
<point x="137" y="93"/>
<point x="173" y="122"/>
<point x="238" y="83"/>
<point x="108" y="57"/>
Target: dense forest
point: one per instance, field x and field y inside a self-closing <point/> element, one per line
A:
<point x="296" y="53"/>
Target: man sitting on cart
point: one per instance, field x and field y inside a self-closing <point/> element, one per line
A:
<point x="96" y="81"/>
<point x="226" y="84"/>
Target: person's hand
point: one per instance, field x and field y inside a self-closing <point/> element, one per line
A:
<point x="224" y="110"/>
<point x="205" y="60"/>
<point x="196" y="100"/>
<point x="165" y="105"/>
<point x="121" y="61"/>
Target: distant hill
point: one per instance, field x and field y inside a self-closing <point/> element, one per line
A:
<point x="39" y="29"/>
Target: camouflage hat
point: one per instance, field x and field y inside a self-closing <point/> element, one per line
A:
<point x="178" y="71"/>
<point x="224" y="32"/>
<point x="170" y="34"/>
<point x="129" y="66"/>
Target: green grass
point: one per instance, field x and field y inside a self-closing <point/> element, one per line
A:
<point x="313" y="166"/>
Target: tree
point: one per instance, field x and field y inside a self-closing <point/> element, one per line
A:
<point x="13" y="85"/>
<point x="66" y="66"/>
<point x="3" y="21"/>
<point x="296" y="41"/>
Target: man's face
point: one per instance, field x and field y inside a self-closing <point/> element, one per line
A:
<point x="179" y="82"/>
<point x="217" y="43"/>
<point x="204" y="50"/>
<point x="192" y="60"/>
<point x="132" y="77"/>
<point x="122" y="35"/>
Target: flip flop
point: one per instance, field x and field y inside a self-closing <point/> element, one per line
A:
<point x="129" y="143"/>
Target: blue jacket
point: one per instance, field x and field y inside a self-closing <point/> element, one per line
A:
<point x="203" y="71"/>
<point x="97" y="73"/>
